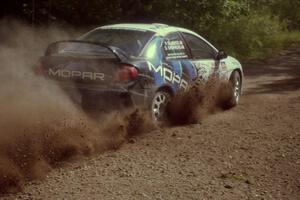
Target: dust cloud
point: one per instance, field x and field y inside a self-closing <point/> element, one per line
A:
<point x="39" y="126"/>
<point x="199" y="101"/>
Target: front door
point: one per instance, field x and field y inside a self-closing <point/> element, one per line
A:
<point x="203" y="56"/>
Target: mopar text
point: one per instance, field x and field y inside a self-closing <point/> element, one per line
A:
<point x="168" y="75"/>
<point x="64" y="73"/>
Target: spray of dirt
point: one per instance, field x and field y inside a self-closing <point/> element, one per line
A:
<point x="199" y="101"/>
<point x="39" y="126"/>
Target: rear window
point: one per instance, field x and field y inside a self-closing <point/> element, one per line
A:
<point x="130" y="41"/>
<point x="78" y="47"/>
<point x="174" y="47"/>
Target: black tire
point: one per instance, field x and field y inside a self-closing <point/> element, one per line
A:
<point x="235" y="87"/>
<point x="159" y="106"/>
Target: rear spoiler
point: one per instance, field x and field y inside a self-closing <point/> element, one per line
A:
<point x="81" y="47"/>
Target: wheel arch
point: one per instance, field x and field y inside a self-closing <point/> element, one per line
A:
<point x="166" y="88"/>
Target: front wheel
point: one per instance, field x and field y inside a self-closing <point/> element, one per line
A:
<point x="159" y="106"/>
<point x="235" y="89"/>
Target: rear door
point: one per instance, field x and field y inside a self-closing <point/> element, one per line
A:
<point x="203" y="56"/>
<point x="177" y="69"/>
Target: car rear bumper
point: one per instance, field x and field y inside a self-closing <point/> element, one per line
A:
<point x="103" y="99"/>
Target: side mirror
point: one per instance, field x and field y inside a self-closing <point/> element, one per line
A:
<point x="221" y="55"/>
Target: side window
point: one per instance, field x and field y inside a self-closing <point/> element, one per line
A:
<point x="174" y="47"/>
<point x="199" y="48"/>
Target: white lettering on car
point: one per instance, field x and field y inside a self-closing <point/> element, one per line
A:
<point x="168" y="75"/>
<point x="64" y="73"/>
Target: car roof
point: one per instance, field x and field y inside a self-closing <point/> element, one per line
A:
<point x="157" y="28"/>
<point x="160" y="29"/>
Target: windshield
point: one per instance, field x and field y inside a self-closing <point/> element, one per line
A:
<point x="130" y="41"/>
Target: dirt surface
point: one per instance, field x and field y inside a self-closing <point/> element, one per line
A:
<point x="249" y="152"/>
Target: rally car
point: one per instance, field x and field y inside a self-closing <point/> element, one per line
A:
<point x="137" y="64"/>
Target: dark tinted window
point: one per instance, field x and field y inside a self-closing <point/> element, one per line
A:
<point x="81" y="48"/>
<point x="173" y="47"/>
<point x="199" y="48"/>
<point x="130" y="41"/>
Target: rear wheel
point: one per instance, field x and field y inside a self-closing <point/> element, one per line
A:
<point x="159" y="105"/>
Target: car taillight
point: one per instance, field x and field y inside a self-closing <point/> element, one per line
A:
<point x="126" y="73"/>
<point x="39" y="69"/>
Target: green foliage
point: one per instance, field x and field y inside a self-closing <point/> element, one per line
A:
<point x="288" y="11"/>
<point x="245" y="28"/>
<point x="288" y="37"/>
<point x="248" y="36"/>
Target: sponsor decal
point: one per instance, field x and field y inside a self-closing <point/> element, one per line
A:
<point x="174" y="49"/>
<point x="177" y="55"/>
<point x="168" y="75"/>
<point x="65" y="73"/>
<point x="202" y="70"/>
<point x="173" y="45"/>
<point x="223" y="65"/>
